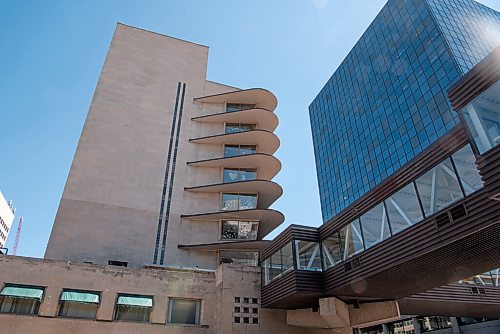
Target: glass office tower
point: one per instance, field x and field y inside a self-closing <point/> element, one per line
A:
<point x="387" y="101"/>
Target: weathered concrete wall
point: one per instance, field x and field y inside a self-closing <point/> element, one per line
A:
<point x="216" y="290"/>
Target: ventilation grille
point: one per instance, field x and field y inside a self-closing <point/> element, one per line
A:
<point x="352" y="264"/>
<point x="453" y="215"/>
<point x="477" y="290"/>
<point x="458" y="212"/>
<point x="442" y="220"/>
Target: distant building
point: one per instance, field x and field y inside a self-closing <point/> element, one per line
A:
<point x="6" y="219"/>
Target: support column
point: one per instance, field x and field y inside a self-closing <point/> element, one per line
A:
<point x="455" y="325"/>
<point x="416" y="325"/>
<point x="385" y="328"/>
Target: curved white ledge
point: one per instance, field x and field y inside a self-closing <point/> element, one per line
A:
<point x="267" y="142"/>
<point x="262" y="98"/>
<point x="268" y="191"/>
<point x="268" y="219"/>
<point x="263" y="118"/>
<point x="248" y="245"/>
<point x="267" y="165"/>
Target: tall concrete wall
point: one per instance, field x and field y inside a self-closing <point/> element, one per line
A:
<point x="111" y="202"/>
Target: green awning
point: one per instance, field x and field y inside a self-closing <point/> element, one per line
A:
<point x="135" y="301"/>
<point x="81" y="297"/>
<point x="23" y="292"/>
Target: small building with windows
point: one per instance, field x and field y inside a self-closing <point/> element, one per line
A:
<point x="7" y="212"/>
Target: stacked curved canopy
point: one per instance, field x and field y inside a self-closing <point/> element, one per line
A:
<point x="268" y="191"/>
<point x="267" y="165"/>
<point x="264" y="119"/>
<point x="268" y="219"/>
<point x="252" y="108"/>
<point x="262" y="98"/>
<point x="267" y="142"/>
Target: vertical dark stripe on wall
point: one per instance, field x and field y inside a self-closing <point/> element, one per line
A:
<point x="172" y="174"/>
<point x="162" y="205"/>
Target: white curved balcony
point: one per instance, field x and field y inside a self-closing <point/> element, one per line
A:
<point x="262" y="98"/>
<point x="268" y="219"/>
<point x="268" y="191"/>
<point x="267" y="165"/>
<point x="267" y="142"/>
<point x="264" y="119"/>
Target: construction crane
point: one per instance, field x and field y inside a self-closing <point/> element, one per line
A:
<point x="18" y="233"/>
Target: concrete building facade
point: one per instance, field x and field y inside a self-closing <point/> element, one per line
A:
<point x="170" y="169"/>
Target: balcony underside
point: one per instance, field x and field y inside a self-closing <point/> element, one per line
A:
<point x="263" y="118"/>
<point x="267" y="165"/>
<point x="268" y="191"/>
<point x="454" y="300"/>
<point x="247" y="245"/>
<point x="267" y="142"/>
<point x="261" y="97"/>
<point x="268" y="219"/>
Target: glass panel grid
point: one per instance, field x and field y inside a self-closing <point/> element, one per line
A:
<point x="387" y="101"/>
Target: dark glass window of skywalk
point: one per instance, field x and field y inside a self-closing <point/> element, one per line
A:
<point x="429" y="194"/>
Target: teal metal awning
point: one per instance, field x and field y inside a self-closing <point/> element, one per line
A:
<point x="80" y="297"/>
<point x="22" y="292"/>
<point x="135" y="301"/>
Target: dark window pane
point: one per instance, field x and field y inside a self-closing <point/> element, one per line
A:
<point x="403" y="208"/>
<point x="375" y="225"/>
<point x="184" y="311"/>
<point x="465" y="161"/>
<point x="438" y="188"/>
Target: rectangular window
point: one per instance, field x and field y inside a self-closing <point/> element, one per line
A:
<point x="238" y="257"/>
<point x="308" y="255"/>
<point x="482" y="117"/>
<point x="403" y="208"/>
<point x="232" y="202"/>
<point x="237" y="150"/>
<point x="375" y="225"/>
<point x="184" y="311"/>
<point x="230" y="107"/>
<point x="332" y="251"/>
<point x="238" y="127"/>
<point x="351" y="239"/>
<point x="438" y="188"/>
<point x="465" y="162"/>
<point x="20" y="299"/>
<point x="234" y="229"/>
<point x="239" y="174"/>
<point x="133" y="308"/>
<point x="79" y="304"/>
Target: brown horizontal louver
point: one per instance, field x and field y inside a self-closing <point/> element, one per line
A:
<point x="348" y="266"/>
<point x="356" y="262"/>
<point x="442" y="219"/>
<point x="458" y="212"/>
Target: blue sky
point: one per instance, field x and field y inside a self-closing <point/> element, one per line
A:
<point x="52" y="52"/>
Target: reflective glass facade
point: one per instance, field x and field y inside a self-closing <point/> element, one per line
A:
<point x="387" y="101"/>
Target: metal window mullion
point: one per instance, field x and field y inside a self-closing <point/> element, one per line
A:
<point x="459" y="179"/>
<point x="296" y="265"/>
<point x="419" y="199"/>
<point x="387" y="217"/>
